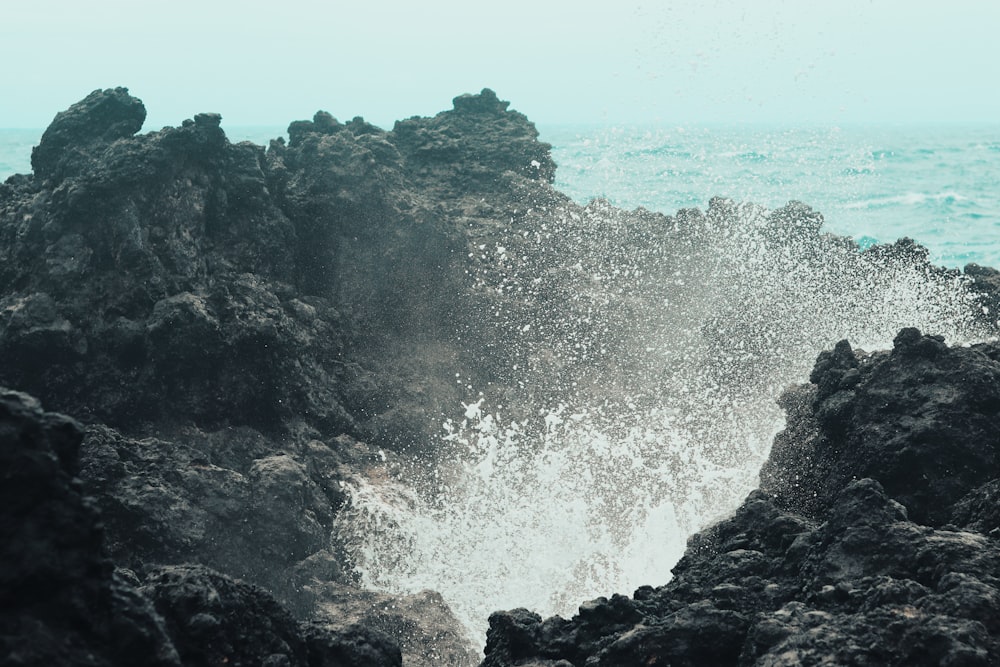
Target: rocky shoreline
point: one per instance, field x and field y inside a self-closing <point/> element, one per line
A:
<point x="239" y="331"/>
<point x="822" y="564"/>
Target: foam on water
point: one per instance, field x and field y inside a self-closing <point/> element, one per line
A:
<point x="706" y="319"/>
<point x="908" y="199"/>
<point x="544" y="524"/>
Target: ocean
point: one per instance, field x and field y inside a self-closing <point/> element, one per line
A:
<point x="937" y="184"/>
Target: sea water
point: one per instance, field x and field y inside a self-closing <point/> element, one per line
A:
<point x="599" y="497"/>
<point x="938" y="184"/>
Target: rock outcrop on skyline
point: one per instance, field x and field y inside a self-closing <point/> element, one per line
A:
<point x="238" y="332"/>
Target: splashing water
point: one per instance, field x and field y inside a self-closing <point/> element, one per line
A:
<point x="651" y="351"/>
<point x="545" y="524"/>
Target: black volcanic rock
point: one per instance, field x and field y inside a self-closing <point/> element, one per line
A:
<point x="764" y="587"/>
<point x="824" y="565"/>
<point x="63" y="603"/>
<point x="85" y="128"/>
<point x="215" y="620"/>
<point x="476" y="142"/>
<point x="422" y="624"/>
<point x="225" y="499"/>
<point x="923" y="419"/>
<point x="60" y="601"/>
<point x="317" y="282"/>
<point x="234" y="324"/>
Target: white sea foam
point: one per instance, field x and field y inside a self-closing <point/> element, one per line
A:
<point x="543" y="524"/>
<point x="907" y="199"/>
<point x="671" y="353"/>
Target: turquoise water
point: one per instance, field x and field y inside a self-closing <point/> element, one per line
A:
<point x="15" y="151"/>
<point x="937" y="184"/>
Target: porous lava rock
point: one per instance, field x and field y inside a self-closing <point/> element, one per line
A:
<point x="922" y="419"/>
<point x="76" y="137"/>
<point x="214" y="619"/>
<point x="242" y="329"/>
<point x="61" y="602"/>
<point x="873" y="538"/>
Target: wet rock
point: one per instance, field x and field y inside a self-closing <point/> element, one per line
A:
<point x="985" y="281"/>
<point x="290" y="508"/>
<point x="697" y="634"/>
<point x="512" y="638"/>
<point x="427" y="632"/>
<point x="354" y="646"/>
<point x="823" y="565"/>
<point x="979" y="510"/>
<point x="921" y="419"/>
<point x="213" y="619"/>
<point x="867" y="586"/>
<point x="224" y="282"/>
<point x="226" y="499"/>
<point x="60" y="600"/>
<point x="243" y="330"/>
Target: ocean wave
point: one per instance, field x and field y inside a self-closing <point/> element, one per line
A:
<point x="862" y="170"/>
<point x="751" y="156"/>
<point x="908" y="199"/>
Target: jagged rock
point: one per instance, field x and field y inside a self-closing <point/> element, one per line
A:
<point x="89" y="125"/>
<point x="924" y="420"/>
<point x="243" y="330"/>
<point x="60" y="601"/>
<point x="179" y="265"/>
<point x="290" y="507"/>
<point x="481" y="137"/>
<point x="867" y="586"/>
<point x="979" y="510"/>
<point x="227" y="499"/>
<point x="213" y="619"/>
<point x="428" y="633"/>
<point x="824" y="567"/>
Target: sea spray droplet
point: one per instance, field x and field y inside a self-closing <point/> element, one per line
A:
<point x="539" y="524"/>
<point x="695" y="325"/>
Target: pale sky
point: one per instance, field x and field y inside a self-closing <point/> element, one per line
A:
<point x="669" y="61"/>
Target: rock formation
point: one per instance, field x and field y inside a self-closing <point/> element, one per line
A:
<point x="872" y="541"/>
<point x="241" y="330"/>
<point x="62" y="602"/>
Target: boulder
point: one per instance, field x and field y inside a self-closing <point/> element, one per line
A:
<point x="923" y="419"/>
<point x="61" y="602"/>
<point x="91" y="124"/>
<point x="213" y="619"/>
